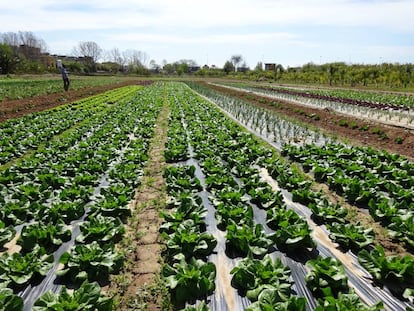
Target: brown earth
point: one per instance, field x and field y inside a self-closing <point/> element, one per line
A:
<point x="138" y="287"/>
<point x="329" y="121"/>
<point x="10" y="109"/>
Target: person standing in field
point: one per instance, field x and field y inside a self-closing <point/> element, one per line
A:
<point x="65" y="77"/>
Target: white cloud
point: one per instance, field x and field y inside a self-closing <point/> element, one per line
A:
<point x="253" y="27"/>
<point x="253" y="38"/>
<point x="103" y="14"/>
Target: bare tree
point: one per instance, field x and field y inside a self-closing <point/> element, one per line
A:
<point x="24" y="38"/>
<point x="90" y="50"/>
<point x="135" y="58"/>
<point x="236" y="59"/>
<point x="10" y="38"/>
<point x="115" y="56"/>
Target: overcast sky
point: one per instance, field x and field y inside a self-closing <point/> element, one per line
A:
<point x="290" y="32"/>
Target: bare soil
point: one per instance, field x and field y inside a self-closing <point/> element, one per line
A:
<point x="330" y="122"/>
<point x="136" y="286"/>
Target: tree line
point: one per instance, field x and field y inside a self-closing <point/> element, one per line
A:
<point x="24" y="52"/>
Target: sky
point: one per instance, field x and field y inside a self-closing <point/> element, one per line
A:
<point x="287" y="32"/>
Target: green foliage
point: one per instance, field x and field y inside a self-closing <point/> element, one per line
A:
<point x="6" y="233"/>
<point x="188" y="240"/>
<point x="90" y="262"/>
<point x="87" y="297"/>
<point x="388" y="269"/>
<point x="9" y="301"/>
<point x="243" y="239"/>
<point x="268" y="300"/>
<point x="327" y="277"/>
<point x="191" y="280"/>
<point x="351" y="236"/>
<point x="254" y="276"/>
<point x="47" y="235"/>
<point x="101" y="229"/>
<point x="346" y="302"/>
<point x="19" y="270"/>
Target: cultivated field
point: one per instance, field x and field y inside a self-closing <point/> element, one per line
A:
<point x="206" y="196"/>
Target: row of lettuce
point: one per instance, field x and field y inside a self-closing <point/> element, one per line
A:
<point x="376" y="100"/>
<point x="377" y="181"/>
<point x="66" y="201"/>
<point x="230" y="160"/>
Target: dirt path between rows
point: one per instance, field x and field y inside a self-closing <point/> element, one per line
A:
<point x="138" y="286"/>
<point x="376" y="135"/>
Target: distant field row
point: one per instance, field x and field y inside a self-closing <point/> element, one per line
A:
<point x="24" y="87"/>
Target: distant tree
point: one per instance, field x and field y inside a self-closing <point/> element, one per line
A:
<point x="7" y="59"/>
<point x="228" y="67"/>
<point x="115" y="56"/>
<point x="259" y="66"/>
<point x="236" y="59"/>
<point x="154" y="66"/>
<point x="90" y="51"/>
<point x="136" y="59"/>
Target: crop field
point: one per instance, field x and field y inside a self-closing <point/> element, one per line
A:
<point x="262" y="212"/>
<point x="19" y="88"/>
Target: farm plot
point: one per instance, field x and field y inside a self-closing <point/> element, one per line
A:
<point x="63" y="204"/>
<point x="236" y="204"/>
<point x="386" y="108"/>
<point x="244" y="228"/>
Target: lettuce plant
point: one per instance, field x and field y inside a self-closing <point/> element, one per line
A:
<point x="294" y="236"/>
<point x="243" y="239"/>
<point x="102" y="229"/>
<point x="346" y="302"/>
<point x="90" y="262"/>
<point x="186" y="207"/>
<point x="327" y="277"/>
<point x="388" y="269"/>
<point x="87" y="297"/>
<point x="268" y="300"/>
<point x="189" y="241"/>
<point x="351" y="236"/>
<point x="181" y="178"/>
<point x="48" y="235"/>
<point x="325" y="212"/>
<point x="6" y="233"/>
<point x="255" y="275"/>
<point x="21" y="269"/>
<point x="191" y="280"/>
<point x="9" y="301"/>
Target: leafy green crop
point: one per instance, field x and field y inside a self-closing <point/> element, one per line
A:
<point x="6" y="233"/>
<point x="180" y="178"/>
<point x="20" y="269"/>
<point x="243" y="239"/>
<point x="189" y="241"/>
<point x="47" y="235"/>
<point x="186" y="207"/>
<point x="9" y="301"/>
<point x="255" y="275"/>
<point x="327" y="277"/>
<point x="346" y="302"/>
<point x="101" y="229"/>
<point x="188" y="281"/>
<point x="397" y="272"/>
<point x="269" y="300"/>
<point x="87" y="297"/>
<point x="351" y="236"/>
<point x="90" y="262"/>
<point x="326" y="212"/>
